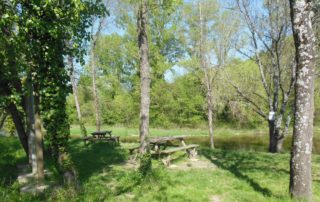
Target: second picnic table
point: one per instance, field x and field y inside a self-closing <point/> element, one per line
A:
<point x="105" y="135"/>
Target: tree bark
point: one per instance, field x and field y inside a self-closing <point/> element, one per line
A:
<point x="3" y="119"/>
<point x="31" y="127"/>
<point x="144" y="75"/>
<point x="300" y="164"/>
<point x="18" y="122"/>
<point x="94" y="90"/>
<point x="38" y="141"/>
<point x="76" y="100"/>
<point x="276" y="136"/>
<point x="210" y="117"/>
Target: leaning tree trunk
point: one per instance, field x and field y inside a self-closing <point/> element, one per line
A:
<point x="95" y="93"/>
<point x="3" y="119"/>
<point x="300" y="164"/>
<point x="144" y="75"/>
<point x="19" y="124"/>
<point x="76" y="100"/>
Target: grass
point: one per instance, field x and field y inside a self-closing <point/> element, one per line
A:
<point x="104" y="176"/>
<point x="124" y="132"/>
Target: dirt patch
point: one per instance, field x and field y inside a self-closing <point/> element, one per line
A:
<point x="215" y="198"/>
<point x="193" y="164"/>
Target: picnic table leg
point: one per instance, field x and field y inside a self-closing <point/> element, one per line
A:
<point x="183" y="143"/>
<point x="192" y="153"/>
<point x="166" y="161"/>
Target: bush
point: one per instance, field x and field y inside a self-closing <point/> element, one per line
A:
<point x="145" y="164"/>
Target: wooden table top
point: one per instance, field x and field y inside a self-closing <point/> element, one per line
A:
<point x="156" y="140"/>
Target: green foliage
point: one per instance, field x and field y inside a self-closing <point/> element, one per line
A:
<point x="9" y="126"/>
<point x="36" y="37"/>
<point x="145" y="166"/>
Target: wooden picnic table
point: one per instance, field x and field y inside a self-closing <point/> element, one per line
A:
<point x="105" y="136"/>
<point x="159" y="143"/>
<point x="101" y="134"/>
<point x="158" y="147"/>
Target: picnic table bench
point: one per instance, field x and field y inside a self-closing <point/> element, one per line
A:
<point x="159" y="147"/>
<point x="102" y="136"/>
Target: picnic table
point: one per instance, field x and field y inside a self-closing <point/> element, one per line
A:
<point x="105" y="136"/>
<point x="165" y="146"/>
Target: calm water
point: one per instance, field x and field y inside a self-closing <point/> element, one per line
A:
<point x="240" y="142"/>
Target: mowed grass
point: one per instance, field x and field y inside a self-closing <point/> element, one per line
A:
<point x="104" y="176"/>
<point x="124" y="131"/>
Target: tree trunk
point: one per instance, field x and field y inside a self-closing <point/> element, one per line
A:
<point x="31" y="127"/>
<point x="300" y="164"/>
<point x="210" y="115"/>
<point x="207" y="77"/>
<point x="95" y="93"/>
<point x="38" y="141"/>
<point x="144" y="75"/>
<point x="18" y="122"/>
<point x="276" y="137"/>
<point x="76" y="100"/>
<point x="3" y="119"/>
<point x="272" y="136"/>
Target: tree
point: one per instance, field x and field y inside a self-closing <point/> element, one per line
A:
<point x="34" y="36"/>
<point x="75" y="95"/>
<point x="270" y="48"/>
<point x="142" y="23"/>
<point x="212" y="38"/>
<point x="94" y="74"/>
<point x="304" y="37"/>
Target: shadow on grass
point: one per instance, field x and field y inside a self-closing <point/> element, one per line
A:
<point x="235" y="163"/>
<point x="95" y="158"/>
<point x="11" y="154"/>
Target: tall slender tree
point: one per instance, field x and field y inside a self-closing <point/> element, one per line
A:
<point x="300" y="164"/>
<point x="211" y="38"/>
<point x="142" y="23"/>
<point x="75" y="95"/>
<point x="94" y="73"/>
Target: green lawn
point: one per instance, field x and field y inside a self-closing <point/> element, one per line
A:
<point x="123" y="131"/>
<point x="104" y="176"/>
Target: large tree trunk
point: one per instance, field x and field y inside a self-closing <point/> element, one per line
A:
<point x="276" y="136"/>
<point x="38" y="141"/>
<point x="76" y="100"/>
<point x="144" y="75"/>
<point x="300" y="164"/>
<point x="31" y="127"/>
<point x="272" y="136"/>
<point x="18" y="122"/>
<point x="95" y="93"/>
